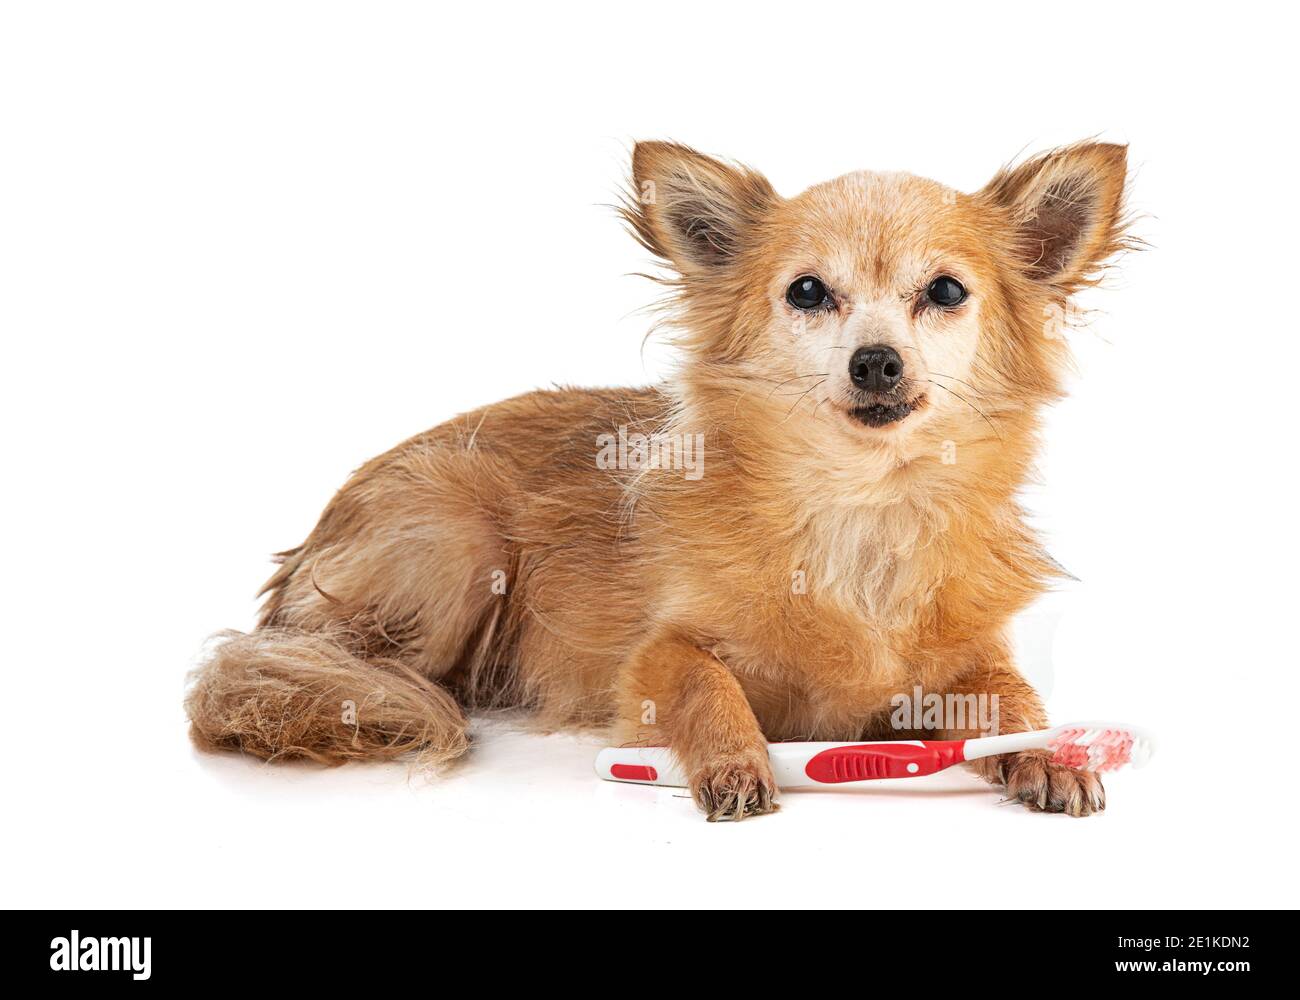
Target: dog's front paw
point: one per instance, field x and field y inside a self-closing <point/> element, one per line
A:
<point x="1032" y="778"/>
<point x="735" y="788"/>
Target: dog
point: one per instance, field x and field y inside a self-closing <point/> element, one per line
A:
<point x="863" y="369"/>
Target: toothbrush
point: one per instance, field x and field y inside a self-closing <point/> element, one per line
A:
<point x="1086" y="746"/>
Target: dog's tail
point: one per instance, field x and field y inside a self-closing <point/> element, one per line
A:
<point x="282" y="693"/>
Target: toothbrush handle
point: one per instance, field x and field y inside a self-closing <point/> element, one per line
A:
<point x="643" y="765"/>
<point x="796" y="764"/>
<point x="870" y="761"/>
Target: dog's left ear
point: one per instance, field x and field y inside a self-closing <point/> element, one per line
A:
<point x="694" y="212"/>
<point x="1067" y="211"/>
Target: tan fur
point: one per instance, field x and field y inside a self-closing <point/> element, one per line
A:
<point x="625" y="589"/>
<point x="280" y="693"/>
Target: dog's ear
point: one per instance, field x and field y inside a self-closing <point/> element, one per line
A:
<point x="694" y="212"/>
<point x="1067" y="211"/>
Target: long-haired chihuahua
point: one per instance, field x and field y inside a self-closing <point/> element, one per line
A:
<point x="816" y="513"/>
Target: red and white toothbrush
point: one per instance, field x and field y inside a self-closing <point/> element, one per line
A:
<point x="1086" y="746"/>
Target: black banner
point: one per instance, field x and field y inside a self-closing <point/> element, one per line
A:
<point x="929" y="950"/>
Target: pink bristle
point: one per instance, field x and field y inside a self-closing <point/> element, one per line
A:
<point x="1113" y="749"/>
<point x="1071" y="755"/>
<point x="1066" y="751"/>
<point x="1065" y="736"/>
<point x="1108" y="750"/>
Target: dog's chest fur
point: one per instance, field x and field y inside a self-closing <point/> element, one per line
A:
<point x="869" y="561"/>
<point x="825" y="652"/>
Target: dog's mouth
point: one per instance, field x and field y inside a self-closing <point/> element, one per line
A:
<point x="885" y="412"/>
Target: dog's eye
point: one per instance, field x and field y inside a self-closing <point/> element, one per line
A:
<point x="807" y="293"/>
<point x="946" y="291"/>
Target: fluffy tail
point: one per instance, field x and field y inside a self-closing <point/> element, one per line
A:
<point x="281" y="693"/>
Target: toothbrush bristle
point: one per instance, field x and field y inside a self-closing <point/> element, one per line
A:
<point x="1097" y="749"/>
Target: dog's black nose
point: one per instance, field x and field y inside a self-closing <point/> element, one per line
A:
<point x="877" y="368"/>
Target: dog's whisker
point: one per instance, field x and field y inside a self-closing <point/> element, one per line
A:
<point x="1001" y="383"/>
<point x="796" y="379"/>
<point x="740" y="396"/>
<point x="960" y="382"/>
<point x="970" y="404"/>
<point x="801" y="399"/>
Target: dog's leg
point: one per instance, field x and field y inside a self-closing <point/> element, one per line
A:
<point x="392" y="592"/>
<point x="1029" y="776"/>
<point x="672" y="693"/>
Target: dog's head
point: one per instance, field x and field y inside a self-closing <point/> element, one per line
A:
<point x="879" y="304"/>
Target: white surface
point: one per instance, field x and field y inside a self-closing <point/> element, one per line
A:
<point x="244" y="247"/>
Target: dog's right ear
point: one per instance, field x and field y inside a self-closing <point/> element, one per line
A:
<point x="694" y="212"/>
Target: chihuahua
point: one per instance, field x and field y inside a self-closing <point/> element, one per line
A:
<point x="817" y="512"/>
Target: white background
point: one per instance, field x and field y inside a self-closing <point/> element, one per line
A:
<point x="246" y="246"/>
